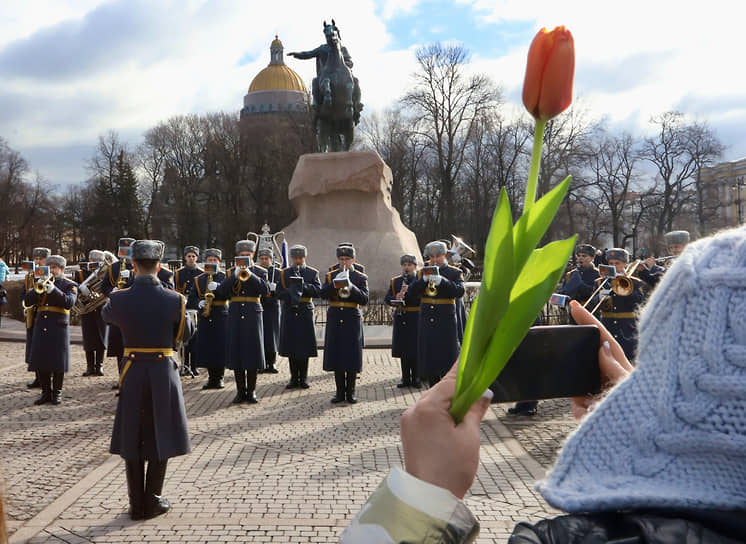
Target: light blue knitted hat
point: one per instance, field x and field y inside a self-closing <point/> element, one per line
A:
<point x="673" y="434"/>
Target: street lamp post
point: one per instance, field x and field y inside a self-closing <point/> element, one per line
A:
<point x="737" y="186"/>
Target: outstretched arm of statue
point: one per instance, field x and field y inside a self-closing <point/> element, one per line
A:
<point x="305" y="54"/>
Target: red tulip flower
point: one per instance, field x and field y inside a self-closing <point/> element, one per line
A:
<point x="547" y="89"/>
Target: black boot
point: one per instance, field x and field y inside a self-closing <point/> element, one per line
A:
<point x="405" y="374"/>
<point x="36" y="383"/>
<point x="45" y="380"/>
<point x="135" y="487"/>
<point x="251" y="387"/>
<point x="524" y="408"/>
<point x="350" y="390"/>
<point x="57" y="378"/>
<point x="414" y="379"/>
<point x="303" y="373"/>
<point x="293" y="383"/>
<point x="240" y="386"/>
<point x="89" y="358"/>
<point x="155" y="504"/>
<point x="271" y="359"/>
<point x="339" y="380"/>
<point x="98" y="368"/>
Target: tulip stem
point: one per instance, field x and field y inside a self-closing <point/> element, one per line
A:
<point x="533" y="173"/>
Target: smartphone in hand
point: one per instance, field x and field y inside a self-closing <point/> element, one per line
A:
<point x="557" y="361"/>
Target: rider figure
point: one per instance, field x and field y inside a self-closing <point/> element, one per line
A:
<point x="321" y="81"/>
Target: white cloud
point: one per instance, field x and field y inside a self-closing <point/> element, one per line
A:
<point x="161" y="58"/>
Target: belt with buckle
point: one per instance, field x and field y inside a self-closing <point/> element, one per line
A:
<point x="430" y="300"/>
<point x="618" y="315"/>
<point x="53" y="309"/>
<point x="344" y="305"/>
<point x="245" y="299"/>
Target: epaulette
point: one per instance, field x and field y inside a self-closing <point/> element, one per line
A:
<point x="329" y="276"/>
<point x="312" y="268"/>
<point x="260" y="267"/>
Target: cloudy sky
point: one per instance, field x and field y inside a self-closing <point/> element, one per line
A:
<point x="71" y="70"/>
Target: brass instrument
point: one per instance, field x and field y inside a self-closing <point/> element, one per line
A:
<point x="460" y="255"/>
<point x="40" y="286"/>
<point x="663" y="261"/>
<point x="342" y="283"/>
<point x="29" y="313"/>
<point x="431" y="290"/>
<point x="622" y="285"/>
<point x="243" y="264"/>
<point x="94" y="283"/>
<point x="209" y="298"/>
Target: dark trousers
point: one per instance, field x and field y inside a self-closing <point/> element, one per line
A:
<point x="51" y="381"/>
<point x="215" y="374"/>
<point x="245" y="380"/>
<point x="298" y="370"/>
<point x="408" y="371"/>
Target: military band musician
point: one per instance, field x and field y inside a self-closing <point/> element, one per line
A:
<point x="299" y="284"/>
<point x="343" y="338"/>
<point x="244" y="286"/>
<point x="150" y="423"/>
<point x="211" y="343"/>
<point x="39" y="256"/>
<point x="406" y="314"/>
<point x="52" y="297"/>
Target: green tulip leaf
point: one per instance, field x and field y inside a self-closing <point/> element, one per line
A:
<point x="530" y="292"/>
<point x="533" y="224"/>
<point x="492" y="302"/>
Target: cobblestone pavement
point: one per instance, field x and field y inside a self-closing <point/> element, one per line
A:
<point x="293" y="468"/>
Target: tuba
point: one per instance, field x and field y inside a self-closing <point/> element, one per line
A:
<point x="87" y="303"/>
<point x="460" y="255"/>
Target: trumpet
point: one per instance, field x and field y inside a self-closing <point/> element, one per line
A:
<point x="243" y="264"/>
<point x="41" y="285"/>
<point x="432" y="271"/>
<point x="342" y="283"/>
<point x="209" y="298"/>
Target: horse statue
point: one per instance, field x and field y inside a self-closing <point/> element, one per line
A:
<point x="336" y="92"/>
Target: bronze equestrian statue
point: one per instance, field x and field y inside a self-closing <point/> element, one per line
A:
<point x="336" y="92"/>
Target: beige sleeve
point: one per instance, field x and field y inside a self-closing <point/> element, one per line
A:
<point x="406" y="509"/>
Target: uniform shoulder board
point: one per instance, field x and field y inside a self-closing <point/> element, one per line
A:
<point x="333" y="267"/>
<point x="396" y="277"/>
<point x="200" y="270"/>
<point x="260" y="268"/>
<point x="567" y="276"/>
<point x="454" y="267"/>
<point x="329" y="275"/>
<point x="312" y="268"/>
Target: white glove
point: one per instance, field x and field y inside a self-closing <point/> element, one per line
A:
<point x="50" y="287"/>
<point x="272" y="286"/>
<point x="115" y="290"/>
<point x="125" y="274"/>
<point x="201" y="304"/>
<point x="235" y="272"/>
<point x="437" y="279"/>
<point x="212" y="286"/>
<point x="604" y="292"/>
<point x="84" y="290"/>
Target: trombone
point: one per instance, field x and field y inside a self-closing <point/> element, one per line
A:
<point x="623" y="285"/>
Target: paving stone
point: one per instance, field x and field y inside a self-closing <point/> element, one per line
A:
<point x="292" y="468"/>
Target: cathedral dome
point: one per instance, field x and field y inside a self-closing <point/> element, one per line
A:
<point x="277" y="88"/>
<point x="277" y="77"/>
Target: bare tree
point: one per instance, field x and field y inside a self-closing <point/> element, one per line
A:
<point x="677" y="152"/>
<point x="612" y="162"/>
<point x="447" y="102"/>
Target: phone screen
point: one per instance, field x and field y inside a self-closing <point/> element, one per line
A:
<point x="556" y="361"/>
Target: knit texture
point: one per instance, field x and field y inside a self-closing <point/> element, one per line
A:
<point x="673" y="434"/>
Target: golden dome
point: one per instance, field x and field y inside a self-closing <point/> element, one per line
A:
<point x="277" y="77"/>
<point x="276" y="42"/>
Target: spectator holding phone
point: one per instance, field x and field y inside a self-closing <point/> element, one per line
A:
<point x="662" y="458"/>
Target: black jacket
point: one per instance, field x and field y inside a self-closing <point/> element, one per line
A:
<point x="656" y="527"/>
